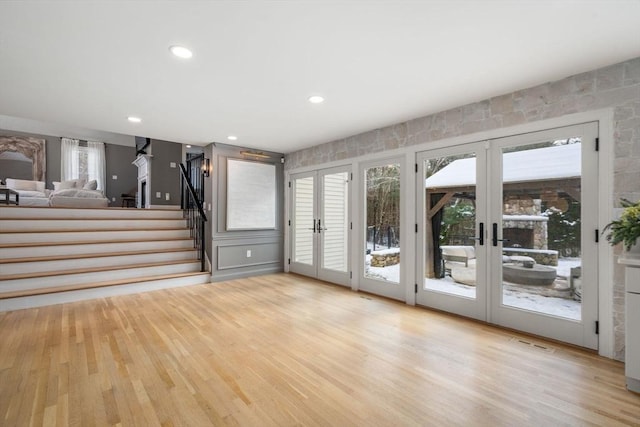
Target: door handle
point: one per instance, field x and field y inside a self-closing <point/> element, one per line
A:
<point x="314" y="226"/>
<point x="480" y="239"/>
<point x="495" y="235"/>
<point x="319" y="228"/>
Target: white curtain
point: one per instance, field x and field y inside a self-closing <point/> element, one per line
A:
<point x="69" y="159"/>
<point x="96" y="163"/>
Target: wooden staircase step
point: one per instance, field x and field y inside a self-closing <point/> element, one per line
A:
<point x="33" y="212"/>
<point x="80" y="242"/>
<point x="88" y="270"/>
<point x="89" y="225"/>
<point x="88" y="230"/>
<point x="66" y="288"/>
<point x="18" y="218"/>
<point x="90" y="236"/>
<point x="57" y="255"/>
<point x="89" y="255"/>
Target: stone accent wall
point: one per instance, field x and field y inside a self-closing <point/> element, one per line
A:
<point x="514" y="206"/>
<point x="616" y="86"/>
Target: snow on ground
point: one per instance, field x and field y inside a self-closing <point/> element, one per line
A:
<point x="566" y="264"/>
<point x="383" y="252"/>
<point x="390" y="273"/>
<point x="562" y="307"/>
<point x="554" y="306"/>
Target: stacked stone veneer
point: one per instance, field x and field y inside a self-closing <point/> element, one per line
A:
<point x="531" y="208"/>
<point x="616" y="87"/>
<point x="385" y="258"/>
<point x="543" y="257"/>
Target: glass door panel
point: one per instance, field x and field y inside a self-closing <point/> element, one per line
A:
<point x="381" y="228"/>
<point x="335" y="222"/>
<point x="334" y="225"/>
<point x="303" y="226"/>
<point x="452" y="211"/>
<point x="544" y="255"/>
<point x="541" y="222"/>
<point x="382" y="257"/>
<point x="450" y="226"/>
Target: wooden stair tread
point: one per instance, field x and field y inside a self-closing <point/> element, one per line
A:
<point x="87" y="242"/>
<point x="90" y="230"/>
<point x="66" y="288"/>
<point x="92" y="270"/>
<point x="105" y="218"/>
<point x="92" y="255"/>
<point x="109" y="208"/>
<point x="153" y="227"/>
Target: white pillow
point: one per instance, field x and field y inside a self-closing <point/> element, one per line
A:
<point x="56" y="185"/>
<point x="65" y="185"/>
<point x="91" y="185"/>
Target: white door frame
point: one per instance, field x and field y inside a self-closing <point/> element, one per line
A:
<point x="377" y="286"/>
<point x="474" y="308"/>
<point x="316" y="270"/>
<point x="581" y="332"/>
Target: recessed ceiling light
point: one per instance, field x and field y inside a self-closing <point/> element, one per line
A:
<point x="232" y="137"/>
<point x="188" y="146"/>
<point x="316" y="99"/>
<point x="181" y="52"/>
<point x="133" y="119"/>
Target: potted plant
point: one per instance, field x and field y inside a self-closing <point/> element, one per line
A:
<point x="626" y="230"/>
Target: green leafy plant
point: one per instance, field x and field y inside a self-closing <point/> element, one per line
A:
<point x="625" y="230"/>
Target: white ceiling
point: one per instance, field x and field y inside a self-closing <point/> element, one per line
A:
<point x="91" y="64"/>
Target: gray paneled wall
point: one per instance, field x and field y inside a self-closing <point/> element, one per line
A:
<point x="248" y="254"/>
<point x="242" y="253"/>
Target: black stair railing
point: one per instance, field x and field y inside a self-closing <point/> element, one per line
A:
<point x="195" y="167"/>
<point x="193" y="212"/>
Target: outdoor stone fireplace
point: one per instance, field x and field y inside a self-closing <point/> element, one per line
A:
<point x="527" y="232"/>
<point x="523" y="223"/>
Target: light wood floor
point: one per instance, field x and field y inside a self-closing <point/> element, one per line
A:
<point x="283" y="350"/>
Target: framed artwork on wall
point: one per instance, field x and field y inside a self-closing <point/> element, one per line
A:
<point x="251" y="195"/>
<point x="23" y="152"/>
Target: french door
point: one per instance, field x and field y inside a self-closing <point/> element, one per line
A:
<point x="320" y="224"/>
<point x="452" y="249"/>
<point x="380" y="259"/>
<point x="509" y="229"/>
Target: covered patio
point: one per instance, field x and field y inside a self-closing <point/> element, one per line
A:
<point x="548" y="176"/>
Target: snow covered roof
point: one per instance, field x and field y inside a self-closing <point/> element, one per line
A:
<point x="556" y="162"/>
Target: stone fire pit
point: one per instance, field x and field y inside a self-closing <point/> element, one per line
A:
<point x="537" y="275"/>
